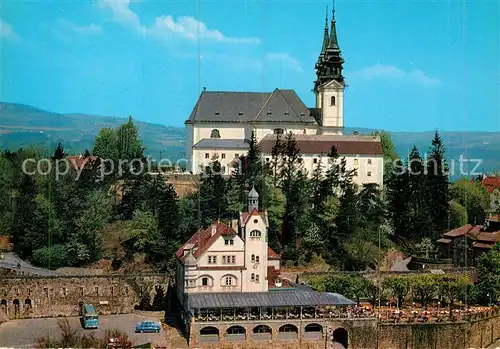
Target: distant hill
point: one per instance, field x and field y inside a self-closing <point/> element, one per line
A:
<point x="24" y="126"/>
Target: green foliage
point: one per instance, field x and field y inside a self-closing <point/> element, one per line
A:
<point x="424" y="287"/>
<point x="398" y="287"/>
<point x="56" y="256"/>
<point x="472" y="196"/>
<point x="458" y="215"/>
<point x="488" y="270"/>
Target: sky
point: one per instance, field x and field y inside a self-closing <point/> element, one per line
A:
<point x="410" y="65"/>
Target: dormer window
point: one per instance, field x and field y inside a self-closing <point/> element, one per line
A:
<point x="269" y="112"/>
<point x="332" y="100"/>
<point x="287" y="113"/>
<point x="216" y="113"/>
<point x="240" y="113"/>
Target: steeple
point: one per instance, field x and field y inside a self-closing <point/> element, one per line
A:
<point x="253" y="200"/>
<point x="326" y="36"/>
<point x="333" y="44"/>
<point x="329" y="65"/>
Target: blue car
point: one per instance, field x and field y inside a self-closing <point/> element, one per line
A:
<point x="148" y="326"/>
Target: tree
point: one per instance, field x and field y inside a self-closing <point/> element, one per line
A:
<point x="452" y="286"/>
<point x="390" y="154"/>
<point x="438" y="187"/>
<point x="398" y="286"/>
<point x="488" y="270"/>
<point x="458" y="215"/>
<point x="106" y="148"/>
<point x="423" y="287"/>
<point x="59" y="152"/>
<point x="472" y="196"/>
<point x="129" y="146"/>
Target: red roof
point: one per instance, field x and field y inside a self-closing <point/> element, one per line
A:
<point x="272" y="275"/>
<point x="491" y="183"/>
<point x="489" y="237"/>
<point x="459" y="231"/>
<point x="245" y="216"/>
<point x="203" y="239"/>
<point x="271" y="254"/>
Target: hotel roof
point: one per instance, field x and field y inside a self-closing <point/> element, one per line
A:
<point x="298" y="297"/>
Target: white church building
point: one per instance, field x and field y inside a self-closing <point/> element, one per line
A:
<point x="221" y="123"/>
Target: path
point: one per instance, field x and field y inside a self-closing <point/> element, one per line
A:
<point x="10" y="262"/>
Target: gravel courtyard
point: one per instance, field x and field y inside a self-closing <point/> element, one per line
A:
<point x="23" y="333"/>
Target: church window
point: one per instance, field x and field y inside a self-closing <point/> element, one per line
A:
<point x="332" y="100"/>
<point x="253" y="258"/>
<point x="229" y="281"/>
<point x="204" y="282"/>
<point x="369" y="161"/>
<point x="257" y="278"/>
<point x="252" y="278"/>
<point x="257" y="259"/>
<point x="223" y="156"/>
<point x="369" y="174"/>
<point x="207" y="156"/>
<point x="278" y="131"/>
<point x="215" y="133"/>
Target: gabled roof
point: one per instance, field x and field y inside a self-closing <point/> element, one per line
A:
<point x="271" y="254"/>
<point x="245" y="216"/>
<point x="247" y="107"/>
<point x="491" y="183"/>
<point x="322" y="144"/>
<point x="203" y="239"/>
<point x="462" y="231"/>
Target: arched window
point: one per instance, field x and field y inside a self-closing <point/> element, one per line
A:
<point x="255" y="234"/>
<point x="215" y="133"/>
<point x="228" y="280"/>
<point x="257" y="278"/>
<point x="252" y="277"/>
<point x="253" y="258"/>
<point x="257" y="259"/>
<point x="332" y="100"/>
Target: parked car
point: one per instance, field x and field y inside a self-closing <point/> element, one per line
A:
<point x="148" y="326"/>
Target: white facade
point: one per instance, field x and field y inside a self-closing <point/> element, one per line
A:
<point x="223" y="259"/>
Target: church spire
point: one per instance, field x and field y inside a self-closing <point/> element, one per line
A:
<point x="326" y="38"/>
<point x="333" y="43"/>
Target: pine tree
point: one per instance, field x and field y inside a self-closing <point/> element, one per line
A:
<point x="59" y="152"/>
<point x="438" y="187"/>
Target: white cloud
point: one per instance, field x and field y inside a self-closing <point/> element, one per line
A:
<point x="415" y="76"/>
<point x="285" y="59"/>
<point x="90" y="29"/>
<point x="6" y="31"/>
<point x="166" y="27"/>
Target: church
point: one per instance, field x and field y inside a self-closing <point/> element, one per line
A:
<point x="222" y="123"/>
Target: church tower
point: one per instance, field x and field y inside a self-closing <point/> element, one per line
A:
<point x="330" y="84"/>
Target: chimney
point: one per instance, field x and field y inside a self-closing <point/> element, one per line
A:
<point x="214" y="229"/>
<point x="356" y="133"/>
<point x="234" y="225"/>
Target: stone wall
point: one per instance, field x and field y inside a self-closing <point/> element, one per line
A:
<point x="30" y="296"/>
<point x="479" y="332"/>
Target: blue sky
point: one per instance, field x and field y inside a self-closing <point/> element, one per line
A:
<point x="410" y="65"/>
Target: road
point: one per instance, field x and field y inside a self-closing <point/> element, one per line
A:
<point x="23" y="333"/>
<point x="10" y="262"/>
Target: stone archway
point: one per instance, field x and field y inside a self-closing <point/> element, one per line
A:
<point x="340" y="338"/>
<point x="3" y="306"/>
<point x="17" y="308"/>
<point x="28" y="305"/>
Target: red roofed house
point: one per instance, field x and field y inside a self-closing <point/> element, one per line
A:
<point x="226" y="259"/>
<point x="475" y="239"/>
<point x="492" y="186"/>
